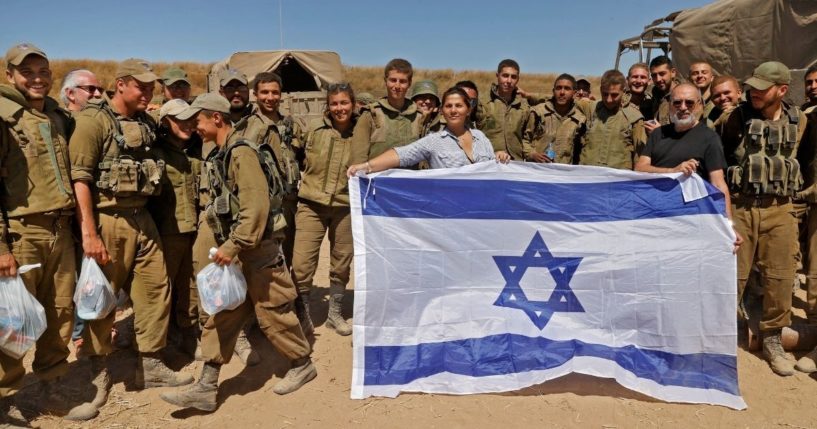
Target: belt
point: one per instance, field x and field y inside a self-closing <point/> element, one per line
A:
<point x="761" y="200"/>
<point x="122" y="211"/>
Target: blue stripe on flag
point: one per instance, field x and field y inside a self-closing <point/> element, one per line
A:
<point x="513" y="200"/>
<point x="511" y="353"/>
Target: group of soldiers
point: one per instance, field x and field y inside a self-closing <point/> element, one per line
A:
<point x="155" y="192"/>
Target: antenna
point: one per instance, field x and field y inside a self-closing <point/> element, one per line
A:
<point x="281" y="22"/>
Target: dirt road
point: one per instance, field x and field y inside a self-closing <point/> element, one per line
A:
<point x="575" y="401"/>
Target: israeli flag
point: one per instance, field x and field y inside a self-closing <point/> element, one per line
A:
<point x="491" y="278"/>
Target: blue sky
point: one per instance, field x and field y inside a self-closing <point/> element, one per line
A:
<point x="576" y="36"/>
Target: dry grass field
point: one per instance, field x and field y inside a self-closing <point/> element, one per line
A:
<point x="363" y="79"/>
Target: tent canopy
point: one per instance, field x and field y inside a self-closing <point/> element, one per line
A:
<point x="734" y="36"/>
<point x="301" y="71"/>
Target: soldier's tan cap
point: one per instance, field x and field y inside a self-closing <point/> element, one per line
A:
<point x="768" y="74"/>
<point x="230" y="75"/>
<point x="17" y="53"/>
<point x="136" y="68"/>
<point x="174" y="108"/>
<point x="173" y="75"/>
<point x="208" y="101"/>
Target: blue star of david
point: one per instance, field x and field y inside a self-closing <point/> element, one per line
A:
<point x="561" y="269"/>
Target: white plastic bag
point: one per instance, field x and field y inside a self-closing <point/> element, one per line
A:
<point x="94" y="296"/>
<point x="22" y="317"/>
<point x="221" y="287"/>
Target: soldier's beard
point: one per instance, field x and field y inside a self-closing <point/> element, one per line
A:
<point x="683" y="124"/>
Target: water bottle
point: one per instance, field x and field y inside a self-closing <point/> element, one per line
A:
<point x="550" y="153"/>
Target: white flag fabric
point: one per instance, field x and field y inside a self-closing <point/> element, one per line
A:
<point x="491" y="278"/>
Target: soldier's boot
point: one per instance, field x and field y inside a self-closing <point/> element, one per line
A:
<point x="302" y="372"/>
<point x="152" y="372"/>
<point x="10" y="415"/>
<point x="807" y="363"/>
<point x="304" y="316"/>
<point x="334" y="319"/>
<point x="775" y="355"/>
<point x="102" y="381"/>
<point x="201" y="395"/>
<point x="244" y="350"/>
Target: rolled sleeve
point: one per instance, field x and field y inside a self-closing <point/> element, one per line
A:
<point x="85" y="148"/>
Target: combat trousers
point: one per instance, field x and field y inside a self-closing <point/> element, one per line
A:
<point x="289" y="207"/>
<point x="46" y="240"/>
<point x="769" y="230"/>
<point x="205" y="240"/>
<point x="178" y="251"/>
<point x="314" y="221"/>
<point x="811" y="264"/>
<point x="137" y="265"/>
<point x="270" y="296"/>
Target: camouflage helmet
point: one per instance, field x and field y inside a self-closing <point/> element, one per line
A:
<point x="365" y="98"/>
<point x="424" y="87"/>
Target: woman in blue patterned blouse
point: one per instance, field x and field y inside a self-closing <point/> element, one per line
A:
<point x="456" y="145"/>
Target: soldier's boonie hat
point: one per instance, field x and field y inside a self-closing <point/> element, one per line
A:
<point x="230" y="75"/>
<point x="17" y="53"/>
<point x="208" y="101"/>
<point x="768" y="74"/>
<point x="137" y="69"/>
<point x="365" y="98"/>
<point x="424" y="87"/>
<point x="174" y="108"/>
<point x="173" y="75"/>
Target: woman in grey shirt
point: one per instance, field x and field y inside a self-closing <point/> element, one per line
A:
<point x="456" y="145"/>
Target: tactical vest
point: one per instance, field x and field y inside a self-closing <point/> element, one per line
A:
<point x="767" y="163"/>
<point x="222" y="211"/>
<point x="125" y="171"/>
<point x="392" y="129"/>
<point x="610" y="142"/>
<point x="564" y="132"/>
<point x="35" y="170"/>
<point x="257" y="129"/>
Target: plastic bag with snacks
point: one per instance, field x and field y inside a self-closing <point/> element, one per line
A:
<point x="94" y="296"/>
<point x="22" y="317"/>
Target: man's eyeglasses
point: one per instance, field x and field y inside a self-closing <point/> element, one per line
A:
<point x="688" y="103"/>
<point x="91" y="89"/>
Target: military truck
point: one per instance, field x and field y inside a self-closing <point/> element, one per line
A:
<point x="305" y="75"/>
<point x="734" y="36"/>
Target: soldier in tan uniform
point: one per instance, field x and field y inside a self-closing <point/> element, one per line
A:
<point x="233" y="86"/>
<point x="424" y="95"/>
<point x="615" y="133"/>
<point x="249" y="233"/>
<point x="726" y="94"/>
<point x="810" y="84"/>
<point x="761" y="133"/>
<point x="701" y="75"/>
<point x="37" y="204"/>
<point x="555" y="127"/>
<point x="175" y="212"/>
<point x="324" y="202"/>
<point x="477" y="110"/>
<point x="638" y="83"/>
<point x="114" y="171"/>
<point x="266" y="125"/>
<point x="664" y="78"/>
<point x="506" y="112"/>
<point x="390" y="122"/>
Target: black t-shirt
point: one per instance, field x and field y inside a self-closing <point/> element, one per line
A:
<point x="667" y="148"/>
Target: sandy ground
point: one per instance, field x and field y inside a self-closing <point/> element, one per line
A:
<point x="574" y="401"/>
